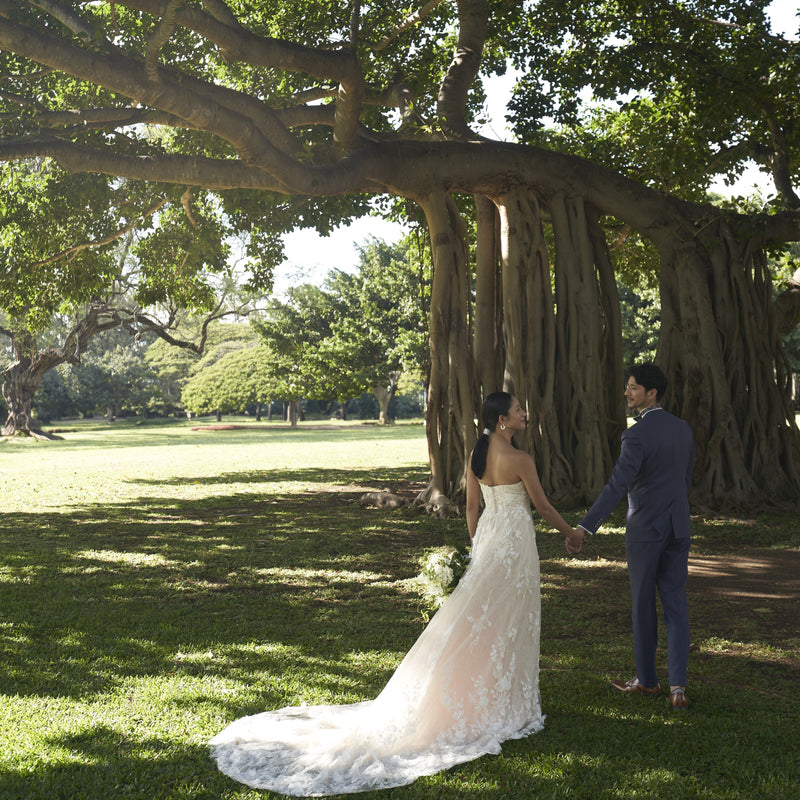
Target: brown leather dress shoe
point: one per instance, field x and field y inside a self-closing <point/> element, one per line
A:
<point x="634" y="686"/>
<point x="678" y="698"/>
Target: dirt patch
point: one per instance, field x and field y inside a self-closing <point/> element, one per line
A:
<point x="770" y="575"/>
<point x="221" y="427"/>
<point x="755" y="590"/>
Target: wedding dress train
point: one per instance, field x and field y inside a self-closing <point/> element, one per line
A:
<point x="470" y="682"/>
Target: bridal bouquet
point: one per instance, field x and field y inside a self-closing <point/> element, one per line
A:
<point x="442" y="568"/>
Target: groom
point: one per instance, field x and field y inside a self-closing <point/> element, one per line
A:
<point x="655" y="470"/>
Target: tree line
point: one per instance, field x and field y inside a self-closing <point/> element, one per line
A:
<point x="330" y="343"/>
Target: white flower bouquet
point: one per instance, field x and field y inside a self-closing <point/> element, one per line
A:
<point x="442" y="569"/>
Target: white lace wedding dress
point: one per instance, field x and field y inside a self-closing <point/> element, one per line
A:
<point x="470" y="682"/>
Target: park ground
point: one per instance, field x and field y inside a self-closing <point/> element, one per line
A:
<point x="157" y="582"/>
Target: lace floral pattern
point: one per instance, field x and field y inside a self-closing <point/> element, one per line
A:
<point x="470" y="682"/>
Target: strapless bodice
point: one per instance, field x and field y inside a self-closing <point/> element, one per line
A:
<point x="505" y="495"/>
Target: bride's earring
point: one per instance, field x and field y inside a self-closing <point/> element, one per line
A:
<point x="502" y="427"/>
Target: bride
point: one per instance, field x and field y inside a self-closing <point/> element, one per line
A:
<point x="471" y="680"/>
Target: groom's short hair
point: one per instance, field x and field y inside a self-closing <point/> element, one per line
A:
<point x="651" y="377"/>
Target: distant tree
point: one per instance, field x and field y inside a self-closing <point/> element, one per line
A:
<point x="239" y="378"/>
<point x="81" y="248"/>
<point x="171" y="367"/>
<point x="112" y="379"/>
<point x="174" y="366"/>
<point x="385" y="330"/>
<point x="359" y="331"/>
<point x="52" y="399"/>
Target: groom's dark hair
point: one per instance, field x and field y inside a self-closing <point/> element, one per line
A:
<point x="651" y="377"/>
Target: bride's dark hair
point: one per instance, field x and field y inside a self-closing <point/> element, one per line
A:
<point x="495" y="405"/>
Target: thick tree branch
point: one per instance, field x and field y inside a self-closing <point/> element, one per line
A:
<point x="220" y="12"/>
<point x="160" y="36"/>
<point x="67" y="18"/>
<point x="139" y="321"/>
<point x="252" y="128"/>
<point x="192" y="171"/>
<point x="355" y="23"/>
<point x="780" y="162"/>
<point x="452" y="101"/>
<point x="239" y="44"/>
<point x="96" y="118"/>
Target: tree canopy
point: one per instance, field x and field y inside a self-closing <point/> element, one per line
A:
<point x="100" y="253"/>
<point x="706" y="82"/>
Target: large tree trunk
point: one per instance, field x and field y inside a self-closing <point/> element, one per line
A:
<point x="21" y="379"/>
<point x="20" y="383"/>
<point x="488" y="344"/>
<point x="589" y="369"/>
<point x="529" y="331"/>
<point x="721" y="348"/>
<point x="563" y="354"/>
<point x="453" y="395"/>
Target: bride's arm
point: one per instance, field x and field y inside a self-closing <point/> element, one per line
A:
<point x="473" y="502"/>
<point x="530" y="477"/>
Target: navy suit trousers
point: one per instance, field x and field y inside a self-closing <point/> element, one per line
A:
<point x="662" y="567"/>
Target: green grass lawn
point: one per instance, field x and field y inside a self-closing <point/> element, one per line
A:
<point x="158" y="582"/>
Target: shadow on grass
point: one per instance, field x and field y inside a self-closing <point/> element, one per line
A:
<point x="276" y="582"/>
<point x="93" y="596"/>
<point x="639" y="751"/>
<point x="105" y="764"/>
<point x="325" y="477"/>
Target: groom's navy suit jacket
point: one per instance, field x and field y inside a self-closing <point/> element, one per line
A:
<point x="654" y="468"/>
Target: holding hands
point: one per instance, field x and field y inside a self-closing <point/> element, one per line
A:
<point x="574" y="540"/>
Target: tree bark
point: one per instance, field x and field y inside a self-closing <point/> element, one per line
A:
<point x="453" y="395"/>
<point x="589" y="369"/>
<point x="721" y="348"/>
<point x="20" y="382"/>
<point x="489" y="347"/>
<point x="563" y="354"/>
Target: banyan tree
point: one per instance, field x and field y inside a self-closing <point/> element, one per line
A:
<point x="278" y="109"/>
